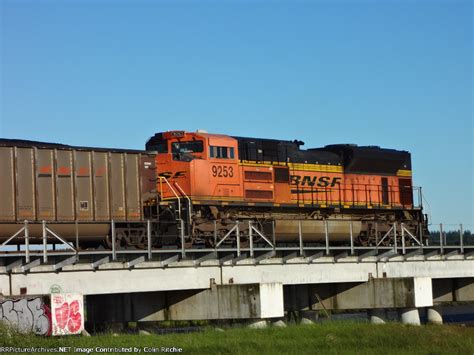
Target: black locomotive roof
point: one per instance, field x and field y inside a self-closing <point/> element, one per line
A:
<point x="257" y="149"/>
<point x="21" y="143"/>
<point x="371" y="159"/>
<point x="354" y="158"/>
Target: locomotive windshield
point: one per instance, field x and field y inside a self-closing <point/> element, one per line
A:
<point x="183" y="150"/>
<point x="187" y="147"/>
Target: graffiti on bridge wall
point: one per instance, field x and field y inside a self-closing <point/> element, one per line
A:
<point x="28" y="315"/>
<point x="67" y="313"/>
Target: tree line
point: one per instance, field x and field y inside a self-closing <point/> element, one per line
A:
<point x="451" y="237"/>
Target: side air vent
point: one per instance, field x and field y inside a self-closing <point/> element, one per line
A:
<point x="267" y="195"/>
<point x="258" y="175"/>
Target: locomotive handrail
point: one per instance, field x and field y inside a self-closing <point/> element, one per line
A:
<point x="174" y="192"/>
<point x="337" y="196"/>
<point x="186" y="197"/>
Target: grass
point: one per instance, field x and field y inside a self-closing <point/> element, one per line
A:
<point x="329" y="337"/>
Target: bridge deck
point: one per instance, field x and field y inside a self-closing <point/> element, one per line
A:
<point x="259" y="259"/>
<point x="97" y="273"/>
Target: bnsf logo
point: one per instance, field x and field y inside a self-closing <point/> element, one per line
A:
<point x="319" y="181"/>
<point x="170" y="175"/>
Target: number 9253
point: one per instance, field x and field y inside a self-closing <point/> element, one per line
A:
<point x="222" y="171"/>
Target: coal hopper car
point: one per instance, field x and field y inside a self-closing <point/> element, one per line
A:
<point x="77" y="191"/>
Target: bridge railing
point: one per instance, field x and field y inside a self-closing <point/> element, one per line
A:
<point x="246" y="239"/>
<point x="447" y="235"/>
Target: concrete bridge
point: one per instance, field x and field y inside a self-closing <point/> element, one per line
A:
<point x="259" y="281"/>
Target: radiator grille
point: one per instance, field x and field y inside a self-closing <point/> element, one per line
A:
<point x="259" y="194"/>
<point x="258" y="175"/>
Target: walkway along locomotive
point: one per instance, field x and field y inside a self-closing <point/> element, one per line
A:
<point x="202" y="184"/>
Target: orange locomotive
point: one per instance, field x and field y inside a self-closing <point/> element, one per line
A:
<point x="210" y="181"/>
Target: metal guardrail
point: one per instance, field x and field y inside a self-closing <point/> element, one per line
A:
<point x="258" y="247"/>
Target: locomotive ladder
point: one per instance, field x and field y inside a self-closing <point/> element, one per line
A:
<point x="178" y="199"/>
<point x="162" y="178"/>
<point x="181" y="227"/>
<point x="188" y="207"/>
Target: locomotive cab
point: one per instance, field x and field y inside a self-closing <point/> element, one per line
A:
<point x="196" y="165"/>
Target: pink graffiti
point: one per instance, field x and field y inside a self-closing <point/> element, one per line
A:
<point x="68" y="316"/>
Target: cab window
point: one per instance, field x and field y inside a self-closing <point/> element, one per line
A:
<point x="187" y="147"/>
<point x="221" y="152"/>
<point x="182" y="151"/>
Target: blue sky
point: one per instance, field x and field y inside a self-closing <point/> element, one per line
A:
<point x="112" y="73"/>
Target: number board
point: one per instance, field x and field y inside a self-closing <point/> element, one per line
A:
<point x="222" y="171"/>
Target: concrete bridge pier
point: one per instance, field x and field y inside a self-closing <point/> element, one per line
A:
<point x="376" y="295"/>
<point x="409" y="316"/>
<point x="256" y="302"/>
<point x="434" y="315"/>
<point x="377" y="315"/>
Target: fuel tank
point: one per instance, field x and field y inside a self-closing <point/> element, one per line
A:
<point x="314" y="230"/>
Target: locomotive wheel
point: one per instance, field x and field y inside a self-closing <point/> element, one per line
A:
<point x="120" y="240"/>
